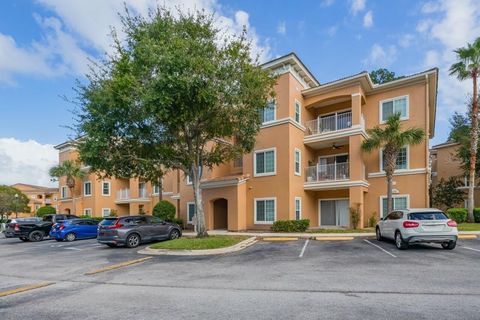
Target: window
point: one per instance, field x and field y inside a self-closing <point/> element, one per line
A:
<point x="106" y="212"/>
<point x="64" y="192"/>
<point x="190" y="211"/>
<point x="264" y="162"/>
<point x="298" y="208"/>
<point x="189" y="180"/>
<point x="87" y="212"/>
<point x="298" y="111"/>
<point x="297" y="163"/>
<point x="87" y="188"/>
<point x="265" y="210"/>
<point x="105" y="188"/>
<point x="399" y="203"/>
<point x="267" y="114"/>
<point x="156" y="189"/>
<point x="392" y="106"/>
<point x="402" y="159"/>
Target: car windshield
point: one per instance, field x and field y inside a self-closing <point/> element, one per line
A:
<point x="108" y="221"/>
<point x="427" y="216"/>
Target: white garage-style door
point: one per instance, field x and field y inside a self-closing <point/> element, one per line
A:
<point x="334" y="213"/>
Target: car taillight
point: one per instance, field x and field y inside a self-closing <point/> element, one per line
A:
<point x="452" y="223"/>
<point x="61" y="227"/>
<point x="16" y="227"/>
<point x="410" y="224"/>
<point x="117" y="225"/>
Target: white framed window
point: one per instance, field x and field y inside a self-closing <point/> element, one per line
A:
<point x="63" y="192"/>
<point x="298" y="111"/>
<point x="106" y="188"/>
<point x="190" y="212"/>
<point x="265" y="210"/>
<point x="268" y="114"/>
<point x="106" y="212"/>
<point x="401" y="161"/>
<point x="264" y="162"/>
<point x="156" y="189"/>
<point x="389" y="107"/>
<point x="87" y="212"/>
<point x="297" y="164"/>
<point x="298" y="208"/>
<point x="188" y="179"/>
<point x="399" y="202"/>
<point x="87" y="188"/>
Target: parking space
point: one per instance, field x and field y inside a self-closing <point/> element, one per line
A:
<point x="358" y="273"/>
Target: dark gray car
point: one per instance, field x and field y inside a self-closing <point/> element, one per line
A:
<point x="130" y="231"/>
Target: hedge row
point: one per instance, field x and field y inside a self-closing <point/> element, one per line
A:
<point x="460" y="214"/>
<point x="291" y="225"/>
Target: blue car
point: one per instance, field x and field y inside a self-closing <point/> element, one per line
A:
<point x="73" y="229"/>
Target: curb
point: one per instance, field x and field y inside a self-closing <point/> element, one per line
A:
<point x="167" y="252"/>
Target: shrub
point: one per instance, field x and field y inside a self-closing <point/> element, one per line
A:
<point x="113" y="213"/>
<point x="372" y="221"/>
<point x="476" y="215"/>
<point x="178" y="221"/>
<point x="164" y="210"/>
<point x="457" y="214"/>
<point x="93" y="218"/>
<point x="355" y="216"/>
<point x="291" y="225"/>
<point x="46" y="210"/>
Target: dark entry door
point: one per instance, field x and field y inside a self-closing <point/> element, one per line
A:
<point x="220" y="214"/>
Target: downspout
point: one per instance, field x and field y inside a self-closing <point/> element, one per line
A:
<point x="427" y="149"/>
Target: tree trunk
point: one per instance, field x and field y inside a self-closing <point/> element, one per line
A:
<point x="389" y="194"/>
<point x="73" y="201"/>
<point x="196" y="175"/>
<point x="390" y="162"/>
<point x="160" y="189"/>
<point x="473" y="149"/>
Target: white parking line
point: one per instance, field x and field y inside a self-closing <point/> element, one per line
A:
<point x="373" y="244"/>
<point x="73" y="248"/>
<point x="468" y="248"/>
<point x="303" y="249"/>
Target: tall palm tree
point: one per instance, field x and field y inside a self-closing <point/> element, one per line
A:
<point x="71" y="170"/>
<point x="468" y="67"/>
<point x="391" y="139"/>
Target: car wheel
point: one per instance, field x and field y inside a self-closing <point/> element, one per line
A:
<point x="111" y="245"/>
<point x="133" y="240"/>
<point x="35" y="236"/>
<point x="399" y="243"/>
<point x="174" y="234"/>
<point x="378" y="234"/>
<point x="70" y="237"/>
<point x="24" y="239"/>
<point x="449" y="245"/>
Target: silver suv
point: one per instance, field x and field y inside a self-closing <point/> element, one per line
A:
<point x="418" y="226"/>
<point x="130" y="231"/>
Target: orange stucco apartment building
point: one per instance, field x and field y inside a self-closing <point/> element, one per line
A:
<point x="307" y="162"/>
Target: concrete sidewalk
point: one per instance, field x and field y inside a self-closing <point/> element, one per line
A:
<point x="303" y="235"/>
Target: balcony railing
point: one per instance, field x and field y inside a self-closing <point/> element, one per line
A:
<point x="48" y="201"/>
<point x="327" y="172"/>
<point x="331" y="123"/>
<point x="123" y="194"/>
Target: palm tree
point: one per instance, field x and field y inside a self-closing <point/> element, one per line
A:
<point x="468" y="67"/>
<point x="71" y="170"/>
<point x="391" y="139"/>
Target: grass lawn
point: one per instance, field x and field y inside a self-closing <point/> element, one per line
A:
<point x="469" y="227"/>
<point x="211" y="242"/>
<point x="364" y="230"/>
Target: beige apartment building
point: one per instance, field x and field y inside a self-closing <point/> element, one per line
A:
<point x="445" y="164"/>
<point x="38" y="196"/>
<point x="307" y="162"/>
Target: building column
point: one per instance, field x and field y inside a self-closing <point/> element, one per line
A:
<point x="356" y="201"/>
<point x="356" y="108"/>
<point x="355" y="158"/>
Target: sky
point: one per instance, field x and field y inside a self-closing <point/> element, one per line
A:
<point x="45" y="46"/>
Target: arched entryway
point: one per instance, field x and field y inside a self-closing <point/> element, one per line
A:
<point x="67" y="211"/>
<point x="220" y="214"/>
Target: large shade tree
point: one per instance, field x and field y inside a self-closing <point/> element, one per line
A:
<point x="71" y="170"/>
<point x="468" y="67"/>
<point x="12" y="200"/>
<point x="390" y="139"/>
<point x="177" y="93"/>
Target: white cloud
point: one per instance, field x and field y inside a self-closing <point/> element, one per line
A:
<point x="332" y="31"/>
<point x="357" y="6"/>
<point x="380" y="56"/>
<point x="406" y="40"/>
<point x="282" y="28"/>
<point x="448" y="25"/>
<point x="78" y="27"/>
<point x="368" y="19"/>
<point x="26" y="162"/>
<point x="327" y="3"/>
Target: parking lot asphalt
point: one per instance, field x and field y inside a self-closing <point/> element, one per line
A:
<point x="361" y="278"/>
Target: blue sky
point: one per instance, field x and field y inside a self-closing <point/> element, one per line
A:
<point x="44" y="46"/>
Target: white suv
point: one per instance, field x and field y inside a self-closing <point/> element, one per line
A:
<point x="418" y="226"/>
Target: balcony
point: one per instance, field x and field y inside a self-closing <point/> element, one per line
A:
<point x="48" y="201"/>
<point x="332" y="129"/>
<point x="124" y="196"/>
<point x="327" y="172"/>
